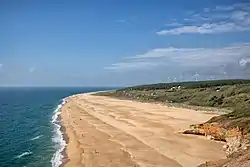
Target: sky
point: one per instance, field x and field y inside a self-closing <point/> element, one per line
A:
<point x="122" y="42"/>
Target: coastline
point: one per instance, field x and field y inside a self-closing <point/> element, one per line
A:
<point x="69" y="137"/>
<point x="65" y="158"/>
<point x="59" y="137"/>
<point x="63" y="130"/>
<point x="73" y="152"/>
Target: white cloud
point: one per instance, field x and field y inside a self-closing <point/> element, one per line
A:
<point x="177" y="58"/>
<point x="174" y="24"/>
<point x="222" y="19"/>
<point x="207" y="28"/>
<point x="206" y="10"/>
<point x="239" y="15"/>
<point x="31" y="70"/>
<point x="124" y="66"/>
<point x="122" y="21"/>
<point x="189" y="19"/>
<point x="232" y="7"/>
<point x="224" y="8"/>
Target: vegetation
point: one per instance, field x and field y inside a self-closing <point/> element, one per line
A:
<point x="190" y="84"/>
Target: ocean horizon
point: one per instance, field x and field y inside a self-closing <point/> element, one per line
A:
<point x="30" y="133"/>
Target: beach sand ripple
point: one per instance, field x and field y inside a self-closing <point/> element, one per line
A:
<point x="108" y="132"/>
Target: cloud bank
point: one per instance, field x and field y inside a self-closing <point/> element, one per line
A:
<point x="232" y="60"/>
<point x="221" y="19"/>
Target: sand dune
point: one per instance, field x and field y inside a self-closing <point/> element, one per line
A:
<point x="108" y="132"/>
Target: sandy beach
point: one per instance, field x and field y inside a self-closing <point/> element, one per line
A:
<point x="103" y="131"/>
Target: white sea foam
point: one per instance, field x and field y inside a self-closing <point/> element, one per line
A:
<point x="37" y="137"/>
<point x="24" y="154"/>
<point x="60" y="143"/>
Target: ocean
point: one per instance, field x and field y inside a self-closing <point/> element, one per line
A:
<point x="30" y="133"/>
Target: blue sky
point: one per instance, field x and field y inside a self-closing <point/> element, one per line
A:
<point x="122" y="42"/>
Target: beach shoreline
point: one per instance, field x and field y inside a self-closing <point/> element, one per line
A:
<point x="65" y="158"/>
<point x="84" y="111"/>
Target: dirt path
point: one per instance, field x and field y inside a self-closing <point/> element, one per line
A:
<point x="107" y="132"/>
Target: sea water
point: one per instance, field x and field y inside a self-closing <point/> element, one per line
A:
<point x="30" y="133"/>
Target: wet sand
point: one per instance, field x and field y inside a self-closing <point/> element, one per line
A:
<point x="103" y="131"/>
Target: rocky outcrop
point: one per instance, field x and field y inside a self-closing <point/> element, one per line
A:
<point x="237" y="146"/>
<point x="237" y="159"/>
<point x="234" y="139"/>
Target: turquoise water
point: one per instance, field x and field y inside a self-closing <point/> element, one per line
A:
<point x="29" y="131"/>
